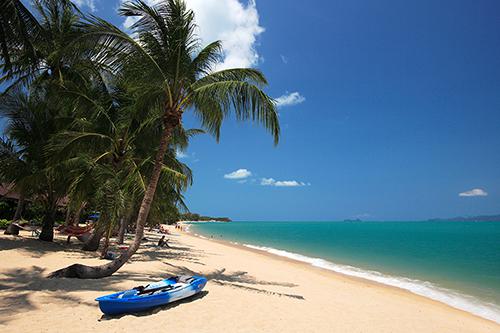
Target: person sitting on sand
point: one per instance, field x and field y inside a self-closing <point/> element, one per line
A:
<point x="162" y="242"/>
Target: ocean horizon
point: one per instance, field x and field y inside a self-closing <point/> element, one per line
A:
<point x="456" y="263"/>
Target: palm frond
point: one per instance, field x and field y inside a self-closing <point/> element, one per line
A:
<point x="204" y="63"/>
<point x="213" y="101"/>
<point x="18" y="27"/>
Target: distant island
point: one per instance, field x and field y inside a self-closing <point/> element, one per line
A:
<point x="201" y="218"/>
<point x="480" y="218"/>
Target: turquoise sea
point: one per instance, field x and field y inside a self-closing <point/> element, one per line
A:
<point x="457" y="263"/>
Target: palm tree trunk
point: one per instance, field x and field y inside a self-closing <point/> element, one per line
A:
<point x="49" y="217"/>
<point x="96" y="272"/>
<point x="68" y="219"/>
<point x="95" y="239"/>
<point x="121" y="231"/>
<point x="76" y="216"/>
<point x="19" y="208"/>
<point x="106" y="242"/>
<point x="47" y="233"/>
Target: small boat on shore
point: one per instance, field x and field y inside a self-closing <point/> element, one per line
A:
<point x="152" y="295"/>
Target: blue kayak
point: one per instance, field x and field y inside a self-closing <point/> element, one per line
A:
<point x="147" y="297"/>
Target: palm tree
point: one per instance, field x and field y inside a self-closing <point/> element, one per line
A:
<point x="31" y="121"/>
<point x="167" y="70"/>
<point x="37" y="53"/>
<point x="111" y="168"/>
<point x="18" y="27"/>
<point x="107" y="154"/>
<point x="40" y="47"/>
<point x="14" y="168"/>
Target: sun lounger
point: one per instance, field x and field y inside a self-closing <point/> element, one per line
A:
<point x="13" y="229"/>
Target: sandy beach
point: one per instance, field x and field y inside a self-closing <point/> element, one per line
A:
<point x="248" y="291"/>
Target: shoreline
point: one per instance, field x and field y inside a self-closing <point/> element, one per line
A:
<point x="293" y="258"/>
<point x="248" y="291"/>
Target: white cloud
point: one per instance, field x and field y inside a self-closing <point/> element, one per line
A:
<point x="232" y="22"/>
<point x="129" y="21"/>
<point x="477" y="192"/>
<point x="282" y="183"/>
<point x="289" y="183"/>
<point x="267" y="181"/>
<point x="290" y="99"/>
<point x="180" y="154"/>
<point x="238" y="174"/>
<point x="85" y="3"/>
<point x="284" y="59"/>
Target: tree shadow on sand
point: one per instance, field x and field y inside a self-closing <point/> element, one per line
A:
<point x="12" y="304"/>
<point x="151" y="252"/>
<point x="178" y="251"/>
<point x="38" y="248"/>
<point x="238" y="279"/>
<point x="17" y="286"/>
<point x="35" y="279"/>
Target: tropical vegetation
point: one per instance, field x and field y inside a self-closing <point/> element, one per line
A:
<point x="197" y="217"/>
<point x="94" y="114"/>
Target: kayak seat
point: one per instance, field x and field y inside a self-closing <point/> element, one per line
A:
<point x="153" y="290"/>
<point x="185" y="279"/>
<point x="128" y="294"/>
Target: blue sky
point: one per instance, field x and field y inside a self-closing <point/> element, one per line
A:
<point x="397" y="110"/>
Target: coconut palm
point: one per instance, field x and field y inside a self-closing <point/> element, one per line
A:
<point x="45" y="54"/>
<point x="48" y="52"/>
<point x="18" y="27"/>
<point x="31" y="121"/>
<point x="167" y="68"/>
<point x="111" y="169"/>
<point x="14" y="168"/>
<point x="107" y="153"/>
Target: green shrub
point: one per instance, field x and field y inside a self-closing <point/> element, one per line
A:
<point x="4" y="223"/>
<point x="34" y="211"/>
<point x="36" y="222"/>
<point x="58" y="223"/>
<point x="7" y="209"/>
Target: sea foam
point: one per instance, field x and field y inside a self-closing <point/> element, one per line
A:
<point x="423" y="288"/>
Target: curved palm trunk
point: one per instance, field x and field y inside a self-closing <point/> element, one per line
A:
<point x="92" y="244"/>
<point x="96" y="272"/>
<point x="105" y="248"/>
<point x="19" y="208"/>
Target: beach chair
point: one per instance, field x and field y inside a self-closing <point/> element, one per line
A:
<point x="34" y="232"/>
<point x="13" y="229"/>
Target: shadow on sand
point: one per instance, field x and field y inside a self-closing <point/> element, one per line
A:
<point x="151" y="252"/>
<point x="38" y="248"/>
<point x="238" y="279"/>
<point x="18" y="285"/>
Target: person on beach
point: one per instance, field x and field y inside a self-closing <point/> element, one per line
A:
<point x="162" y="242"/>
<point x="163" y="230"/>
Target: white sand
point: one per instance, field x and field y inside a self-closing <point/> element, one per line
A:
<point x="248" y="291"/>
